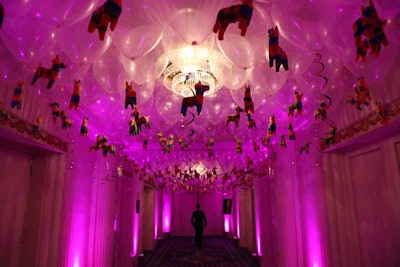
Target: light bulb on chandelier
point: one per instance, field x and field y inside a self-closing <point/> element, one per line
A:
<point x="188" y="64"/>
<point x="182" y="82"/>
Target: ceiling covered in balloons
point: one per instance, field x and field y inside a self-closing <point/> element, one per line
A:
<point x="163" y="48"/>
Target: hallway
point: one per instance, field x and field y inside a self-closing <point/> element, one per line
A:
<point x="180" y="251"/>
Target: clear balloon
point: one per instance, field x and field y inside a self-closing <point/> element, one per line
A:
<point x="128" y="64"/>
<point x="185" y="22"/>
<point x="73" y="71"/>
<point x="187" y="58"/>
<point x="161" y="64"/>
<point x="147" y="70"/>
<point x="108" y="74"/>
<point x="237" y="77"/>
<point x="91" y="89"/>
<point x="387" y="5"/>
<point x="168" y="105"/>
<point x="28" y="43"/>
<point x="268" y="81"/>
<point x="215" y="106"/>
<point x="238" y="50"/>
<point x="341" y="40"/>
<point x="220" y="66"/>
<point x="78" y="51"/>
<point x="144" y="92"/>
<point x="392" y="28"/>
<point x="137" y="42"/>
<point x="101" y="108"/>
<point x="12" y="70"/>
<point x="296" y="24"/>
<point x="374" y="68"/>
<point x="15" y="9"/>
<point x="64" y="13"/>
<point x="260" y="20"/>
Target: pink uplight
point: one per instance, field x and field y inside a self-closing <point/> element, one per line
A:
<point x="226" y="223"/>
<point x="135" y="235"/>
<point x="167" y="213"/>
<point x="258" y="239"/>
<point x="313" y="238"/>
<point x="156" y="217"/>
<point x="76" y="247"/>
<point x="76" y="262"/>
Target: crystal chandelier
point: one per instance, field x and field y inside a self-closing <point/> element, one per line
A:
<point x="187" y="65"/>
<point x="182" y="83"/>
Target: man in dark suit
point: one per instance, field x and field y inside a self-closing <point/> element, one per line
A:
<point x="199" y="221"/>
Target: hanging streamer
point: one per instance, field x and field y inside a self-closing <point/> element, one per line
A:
<point x="191" y="131"/>
<point x="318" y="60"/>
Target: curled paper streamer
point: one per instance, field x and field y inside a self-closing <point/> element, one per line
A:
<point x="318" y="60"/>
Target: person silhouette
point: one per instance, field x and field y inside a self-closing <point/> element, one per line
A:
<point x="199" y="221"/>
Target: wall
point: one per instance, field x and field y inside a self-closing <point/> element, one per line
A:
<point x="14" y="185"/>
<point x="362" y="204"/>
<point x="183" y="206"/>
<point x="31" y="195"/>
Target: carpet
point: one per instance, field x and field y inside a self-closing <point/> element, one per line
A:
<point x="181" y="252"/>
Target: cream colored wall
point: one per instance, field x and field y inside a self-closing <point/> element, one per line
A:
<point x="362" y="189"/>
<point x="32" y="184"/>
<point x="14" y="187"/>
<point x="183" y="205"/>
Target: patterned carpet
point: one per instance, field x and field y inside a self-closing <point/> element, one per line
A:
<point x="181" y="252"/>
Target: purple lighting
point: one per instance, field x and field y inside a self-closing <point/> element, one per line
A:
<point x="156" y="217"/>
<point x="258" y="238"/>
<point x="237" y="220"/>
<point x="313" y="237"/>
<point x="135" y="235"/>
<point x="76" y="262"/>
<point x="226" y="223"/>
<point x="314" y="246"/>
<point x="167" y="213"/>
<point x="77" y="241"/>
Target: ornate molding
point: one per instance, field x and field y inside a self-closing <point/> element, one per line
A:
<point x="25" y="127"/>
<point x="365" y="124"/>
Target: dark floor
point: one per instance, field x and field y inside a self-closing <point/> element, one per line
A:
<point x="181" y="251"/>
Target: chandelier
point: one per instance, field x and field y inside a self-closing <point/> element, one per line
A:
<point x="196" y="55"/>
<point x="180" y="49"/>
<point x="183" y="82"/>
<point x="189" y="64"/>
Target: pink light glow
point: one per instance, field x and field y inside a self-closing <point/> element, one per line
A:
<point x="156" y="217"/>
<point x="226" y="223"/>
<point x="314" y="245"/>
<point x="77" y="241"/>
<point x="237" y="220"/>
<point x="76" y="262"/>
<point x="258" y="236"/>
<point x="115" y="222"/>
<point x="313" y="237"/>
<point x="167" y="213"/>
<point x="135" y="235"/>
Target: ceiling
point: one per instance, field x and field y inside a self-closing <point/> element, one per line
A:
<point x="317" y="37"/>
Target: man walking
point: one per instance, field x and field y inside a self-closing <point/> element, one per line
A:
<point x="199" y="222"/>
